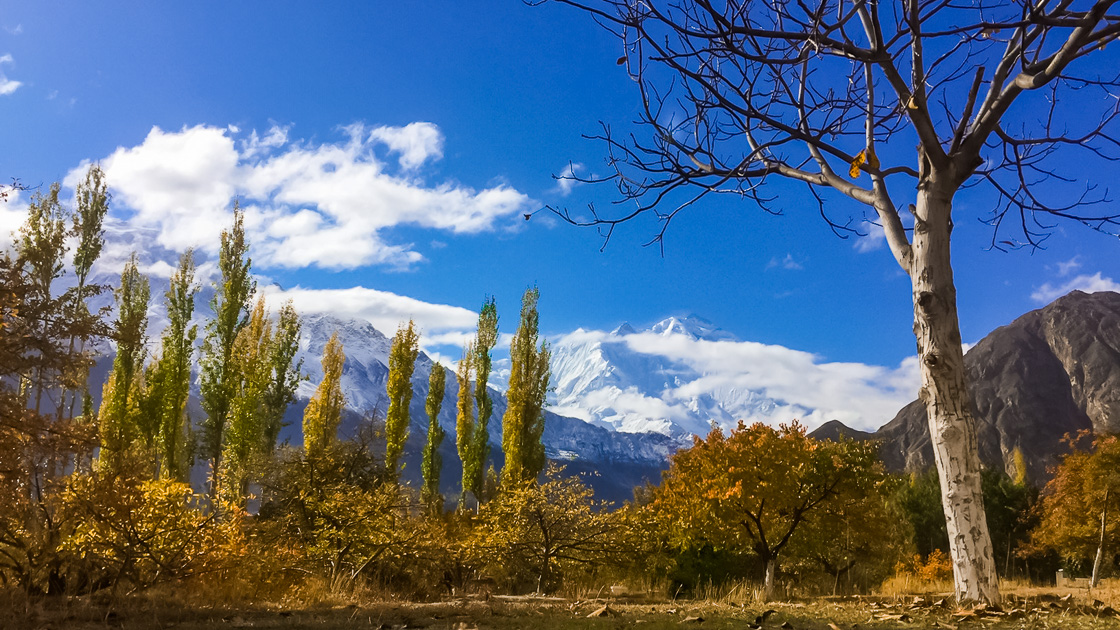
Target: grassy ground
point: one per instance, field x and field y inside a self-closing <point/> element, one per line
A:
<point x="1040" y="609"/>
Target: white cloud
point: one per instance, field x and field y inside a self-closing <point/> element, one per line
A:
<point x="7" y="86"/>
<point x="14" y="30"/>
<point x="785" y="263"/>
<point x="416" y="142"/>
<point x="382" y="309"/>
<point x="566" y="180"/>
<point x="13" y="213"/>
<point x="874" y="240"/>
<point x="1069" y="266"/>
<point x="1089" y="284"/>
<point x="326" y="205"/>
<point x="688" y="382"/>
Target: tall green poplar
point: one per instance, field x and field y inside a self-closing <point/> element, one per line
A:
<point x="244" y="432"/>
<point x="433" y="461"/>
<point x="324" y="412"/>
<point x="173" y="369"/>
<point x="523" y="422"/>
<point x="286" y="374"/>
<point x="464" y="423"/>
<point x="486" y="339"/>
<point x="119" y="419"/>
<point x="402" y="362"/>
<point x="218" y="380"/>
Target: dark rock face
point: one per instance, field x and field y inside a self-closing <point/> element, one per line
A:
<point x="1052" y="371"/>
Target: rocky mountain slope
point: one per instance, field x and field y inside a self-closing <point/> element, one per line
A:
<point x="1053" y="371"/>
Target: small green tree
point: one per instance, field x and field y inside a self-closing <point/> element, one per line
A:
<point x="120" y="422"/>
<point x="523" y="422"/>
<point x="218" y="380"/>
<point x="433" y="461"/>
<point x="324" y="411"/>
<point x="402" y="362"/>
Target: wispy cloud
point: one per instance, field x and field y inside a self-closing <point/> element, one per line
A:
<point x="7" y="86"/>
<point x="325" y="205"/>
<point x="382" y="309"/>
<point x="1069" y="266"/>
<point x="789" y="262"/>
<point x="14" y="30"/>
<point x="874" y="240"/>
<point x="566" y="179"/>
<point x="1089" y="284"/>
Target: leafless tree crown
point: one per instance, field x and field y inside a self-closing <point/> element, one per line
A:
<point x="837" y="94"/>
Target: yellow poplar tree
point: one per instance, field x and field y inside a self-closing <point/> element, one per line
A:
<point x="402" y="362"/>
<point x="324" y="412"/>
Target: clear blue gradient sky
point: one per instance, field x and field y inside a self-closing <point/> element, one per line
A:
<point x="507" y="90"/>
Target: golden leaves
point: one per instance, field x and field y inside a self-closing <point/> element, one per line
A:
<point x="863" y="158"/>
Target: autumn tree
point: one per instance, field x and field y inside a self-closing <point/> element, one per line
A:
<point x="41" y="249"/>
<point x="1079" y="506"/>
<point x="217" y="378"/>
<point x="895" y="108"/>
<point x="119" y="421"/>
<point x="523" y="422"/>
<point x="402" y="361"/>
<point x="538" y="532"/>
<point x="759" y="488"/>
<point x="464" y="422"/>
<point x="432" y="464"/>
<point x="324" y="411"/>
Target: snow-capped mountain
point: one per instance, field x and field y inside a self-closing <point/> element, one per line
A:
<point x="642" y="381"/>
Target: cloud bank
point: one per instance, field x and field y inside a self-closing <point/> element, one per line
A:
<point x="1088" y="283"/>
<point x="328" y="205"/>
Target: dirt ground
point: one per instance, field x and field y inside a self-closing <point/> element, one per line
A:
<point x="1041" y="610"/>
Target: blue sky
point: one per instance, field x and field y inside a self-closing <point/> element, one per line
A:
<point x="434" y="126"/>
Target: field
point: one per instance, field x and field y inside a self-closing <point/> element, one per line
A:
<point x="1024" y="608"/>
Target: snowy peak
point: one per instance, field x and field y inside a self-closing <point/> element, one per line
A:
<point x="692" y="326"/>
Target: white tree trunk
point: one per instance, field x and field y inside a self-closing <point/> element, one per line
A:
<point x="1095" y="580"/>
<point x="768" y="579"/>
<point x="952" y="426"/>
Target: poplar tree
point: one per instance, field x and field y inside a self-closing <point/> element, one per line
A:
<point x="119" y="419"/>
<point x="244" y="432"/>
<point x="41" y="249"/>
<point x="433" y="461"/>
<point x="324" y="412"/>
<point x="286" y="374"/>
<point x="523" y="422"/>
<point x="486" y="339"/>
<point x="87" y="228"/>
<point x="402" y="362"/>
<point x="173" y="369"/>
<point x="230" y="305"/>
<point x="464" y="423"/>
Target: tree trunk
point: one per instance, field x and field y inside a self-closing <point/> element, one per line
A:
<point x="1100" y="545"/>
<point x="952" y="426"/>
<point x="768" y="579"/>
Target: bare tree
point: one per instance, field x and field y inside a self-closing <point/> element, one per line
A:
<point x="835" y="94"/>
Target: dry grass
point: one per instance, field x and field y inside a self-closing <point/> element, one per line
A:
<point x="734" y="608"/>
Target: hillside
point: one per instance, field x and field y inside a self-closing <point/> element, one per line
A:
<point x="1052" y="371"/>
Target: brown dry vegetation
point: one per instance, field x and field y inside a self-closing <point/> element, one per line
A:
<point x="1026" y="607"/>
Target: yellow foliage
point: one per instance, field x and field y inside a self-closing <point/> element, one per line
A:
<point x="862" y="158"/>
